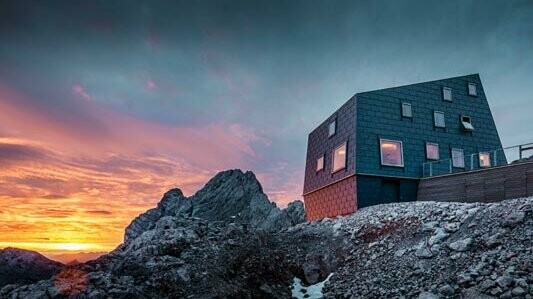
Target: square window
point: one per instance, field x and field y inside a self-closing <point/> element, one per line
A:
<point x="391" y="152"/>
<point x="466" y="121"/>
<point x="332" y="128"/>
<point x="432" y="151"/>
<point x="484" y="159"/>
<point x="458" y="158"/>
<point x="406" y="110"/>
<point x="472" y="89"/>
<point x="320" y="163"/>
<point x="447" y="94"/>
<point x="339" y="158"/>
<point x="439" y="119"/>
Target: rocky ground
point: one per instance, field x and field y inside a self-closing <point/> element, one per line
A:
<point x="228" y="241"/>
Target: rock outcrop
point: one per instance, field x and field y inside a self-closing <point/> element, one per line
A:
<point x="230" y="196"/>
<point x="18" y="266"/>
<point x="185" y="249"/>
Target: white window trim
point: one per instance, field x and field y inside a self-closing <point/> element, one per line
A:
<point x="345" y="143"/>
<point x="334" y="128"/>
<point x="410" y="110"/>
<point x="323" y="162"/>
<point x="451" y="94"/>
<point x="490" y="162"/>
<point x="435" y="112"/>
<point x="381" y="153"/>
<point x="475" y="89"/>
<point x="458" y="150"/>
<point x="438" y="151"/>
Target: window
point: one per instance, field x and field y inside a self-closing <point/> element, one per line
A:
<point x="447" y="94"/>
<point x="391" y="152"/>
<point x="320" y="163"/>
<point x="484" y="160"/>
<point x="472" y="89"/>
<point x="332" y="128"/>
<point x="466" y="121"/>
<point x="432" y="151"/>
<point x="406" y="110"/>
<point x="458" y="158"/>
<point x="439" y="119"/>
<point x="339" y="158"/>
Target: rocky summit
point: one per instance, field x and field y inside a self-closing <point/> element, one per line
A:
<point x="229" y="241"/>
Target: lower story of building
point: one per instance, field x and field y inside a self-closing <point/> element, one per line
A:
<point x="347" y="195"/>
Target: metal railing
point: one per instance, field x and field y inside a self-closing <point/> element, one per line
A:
<point x="485" y="159"/>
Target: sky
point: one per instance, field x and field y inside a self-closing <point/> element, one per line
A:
<point x="105" y="105"/>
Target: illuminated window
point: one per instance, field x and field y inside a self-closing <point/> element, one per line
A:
<point x="472" y="89"/>
<point x="332" y="128"/>
<point x="406" y="110"/>
<point x="466" y="121"/>
<point x="391" y="152"/>
<point x="458" y="158"/>
<point x="438" y="117"/>
<point x="432" y="151"/>
<point x="484" y="160"/>
<point x="339" y="158"/>
<point x="320" y="163"/>
<point x="447" y="94"/>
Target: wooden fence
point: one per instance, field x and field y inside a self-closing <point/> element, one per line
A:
<point x="484" y="185"/>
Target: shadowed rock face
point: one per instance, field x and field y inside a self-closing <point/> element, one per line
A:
<point x="18" y="266"/>
<point x="231" y="196"/>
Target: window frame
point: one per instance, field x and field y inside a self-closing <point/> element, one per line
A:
<point x="427" y="152"/>
<point x="444" y="94"/>
<point x="381" y="140"/>
<point x="334" y="123"/>
<point x="479" y="160"/>
<point x="410" y="110"/>
<point x="455" y="149"/>
<point x="323" y="157"/>
<point x="345" y="144"/>
<point x="469" y="122"/>
<point x="468" y="89"/>
<point x="435" y="112"/>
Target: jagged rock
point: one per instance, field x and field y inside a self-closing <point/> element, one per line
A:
<point x="513" y="218"/>
<point x="461" y="245"/>
<point x="231" y="196"/>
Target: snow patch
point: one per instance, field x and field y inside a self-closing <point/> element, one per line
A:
<point x="313" y="291"/>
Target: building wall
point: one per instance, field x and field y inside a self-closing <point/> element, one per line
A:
<point x="487" y="185"/>
<point x="319" y="144"/>
<point x="369" y="190"/>
<point x="379" y="116"/>
<point x="332" y="200"/>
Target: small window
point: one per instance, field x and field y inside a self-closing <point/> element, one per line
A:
<point x="406" y="110"/>
<point x="447" y="94"/>
<point x="484" y="159"/>
<point x="332" y="128"/>
<point x="472" y="89"/>
<point x="339" y="158"/>
<point x="391" y="152"/>
<point x="320" y="163"/>
<point x="432" y="151"/>
<point x="466" y="121"/>
<point x="458" y="158"/>
<point x="439" y="119"/>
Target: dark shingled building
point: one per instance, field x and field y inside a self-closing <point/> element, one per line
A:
<point x="372" y="150"/>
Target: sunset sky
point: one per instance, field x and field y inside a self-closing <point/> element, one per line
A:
<point x="105" y="106"/>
